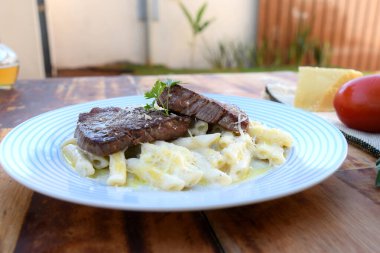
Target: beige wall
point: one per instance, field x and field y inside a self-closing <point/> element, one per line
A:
<point x="92" y="32"/>
<point x="19" y="29"/>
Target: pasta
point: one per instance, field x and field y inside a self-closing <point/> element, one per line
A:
<point x="268" y="135"/>
<point x="78" y="160"/>
<point x="166" y="166"/>
<point x="211" y="175"/>
<point x="270" y="142"/>
<point x="218" y="158"/>
<point x="118" y="169"/>
<point x="200" y="128"/>
<point x="98" y="162"/>
<point x="214" y="157"/>
<point x="200" y="141"/>
<point x="238" y="156"/>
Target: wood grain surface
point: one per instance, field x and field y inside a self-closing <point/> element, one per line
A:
<point x="30" y="98"/>
<point x="331" y="217"/>
<point x="56" y="226"/>
<point x="338" y="215"/>
<point x="14" y="202"/>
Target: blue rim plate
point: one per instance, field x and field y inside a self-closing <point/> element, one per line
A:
<point x="31" y="155"/>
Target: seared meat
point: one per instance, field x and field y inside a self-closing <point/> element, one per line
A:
<point x="104" y="131"/>
<point x="190" y="103"/>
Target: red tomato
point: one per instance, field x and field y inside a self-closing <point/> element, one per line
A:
<point x="357" y="103"/>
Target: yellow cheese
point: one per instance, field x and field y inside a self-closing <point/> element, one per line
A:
<point x="317" y="87"/>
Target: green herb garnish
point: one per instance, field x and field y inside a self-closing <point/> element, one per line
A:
<point x="377" y="182"/>
<point x="156" y="92"/>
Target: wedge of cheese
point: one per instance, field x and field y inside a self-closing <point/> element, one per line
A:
<point x="317" y="87"/>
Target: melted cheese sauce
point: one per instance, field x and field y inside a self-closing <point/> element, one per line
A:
<point x="206" y="160"/>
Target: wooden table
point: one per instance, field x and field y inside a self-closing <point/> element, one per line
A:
<point x="342" y="214"/>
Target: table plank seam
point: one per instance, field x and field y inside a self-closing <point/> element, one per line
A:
<point x="212" y="233"/>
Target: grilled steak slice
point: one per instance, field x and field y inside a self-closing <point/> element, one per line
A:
<point x="190" y="103"/>
<point x="104" y="131"/>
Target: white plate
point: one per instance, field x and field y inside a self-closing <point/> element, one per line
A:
<point x="31" y="154"/>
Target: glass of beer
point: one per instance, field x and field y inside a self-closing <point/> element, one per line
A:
<point x="9" y="67"/>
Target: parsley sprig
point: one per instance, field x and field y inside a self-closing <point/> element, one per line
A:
<point x="156" y="92"/>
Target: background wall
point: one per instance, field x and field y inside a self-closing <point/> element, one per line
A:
<point x="92" y="32"/>
<point x="20" y="30"/>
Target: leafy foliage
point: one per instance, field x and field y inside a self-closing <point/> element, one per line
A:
<point x="232" y="55"/>
<point x="300" y="45"/>
<point x="302" y="51"/>
<point x="322" y="54"/>
<point x="156" y="91"/>
<point x="197" y="24"/>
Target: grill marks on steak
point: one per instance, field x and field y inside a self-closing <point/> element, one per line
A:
<point x="190" y="103"/>
<point x="104" y="131"/>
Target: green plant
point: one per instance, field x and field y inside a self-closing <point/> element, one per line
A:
<point x="304" y="50"/>
<point x="155" y="93"/>
<point x="243" y="55"/>
<point x="322" y="54"/>
<point x="197" y="24"/>
<point x="300" y="46"/>
<point x="219" y="58"/>
<point x="229" y="55"/>
<point x="278" y="57"/>
<point x="260" y="53"/>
